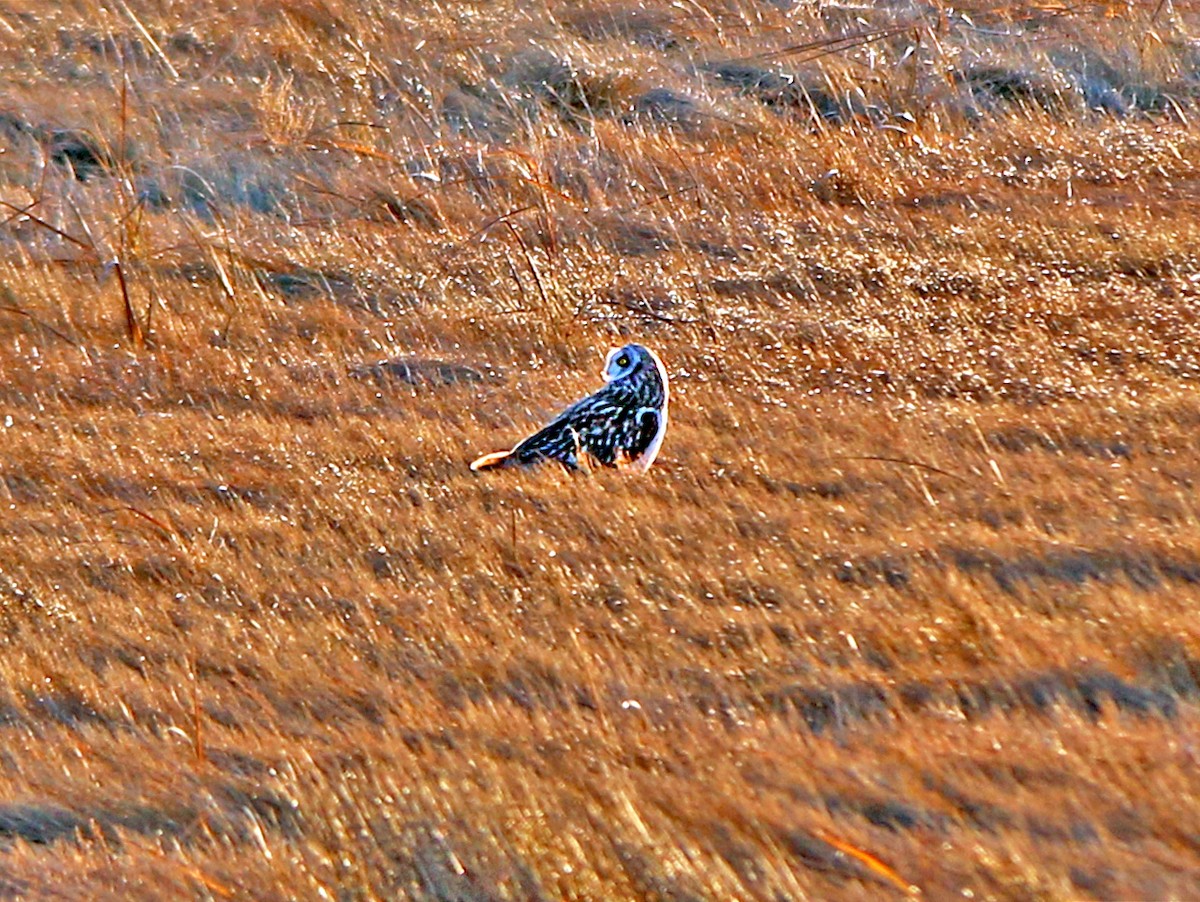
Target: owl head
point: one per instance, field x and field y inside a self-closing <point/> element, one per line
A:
<point x="627" y="361"/>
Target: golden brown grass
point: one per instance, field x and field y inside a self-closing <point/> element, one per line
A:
<point x="908" y="602"/>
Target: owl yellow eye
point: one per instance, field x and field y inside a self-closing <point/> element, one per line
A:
<point x="623" y="360"/>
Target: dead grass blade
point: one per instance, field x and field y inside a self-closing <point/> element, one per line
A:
<point x="644" y="311"/>
<point x="172" y="533"/>
<point x="496" y="220"/>
<point x="12" y="308"/>
<point x="353" y="147"/>
<point x="828" y="46"/>
<point x="132" y="327"/>
<point x="149" y="38"/>
<point x="529" y="261"/>
<point x="873" y="864"/>
<point x="198" y="747"/>
<point x="224" y="890"/>
<point x="66" y="236"/>
<point x="904" y="461"/>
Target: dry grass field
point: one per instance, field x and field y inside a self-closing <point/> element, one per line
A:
<point x="907" y="607"/>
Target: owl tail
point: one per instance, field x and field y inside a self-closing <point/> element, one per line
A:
<point x="489" y="461"/>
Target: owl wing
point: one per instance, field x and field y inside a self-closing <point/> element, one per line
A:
<point x="646" y="432"/>
<point x="587" y="426"/>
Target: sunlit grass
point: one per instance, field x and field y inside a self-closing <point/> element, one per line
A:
<point x="908" y="599"/>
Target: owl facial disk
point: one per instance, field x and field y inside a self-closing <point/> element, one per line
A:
<point x="621" y="362"/>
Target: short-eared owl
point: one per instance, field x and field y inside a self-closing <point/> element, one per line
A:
<point x="624" y="422"/>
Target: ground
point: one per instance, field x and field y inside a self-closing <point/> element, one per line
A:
<point x="907" y="605"/>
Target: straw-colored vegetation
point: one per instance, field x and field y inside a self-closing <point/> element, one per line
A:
<point x="908" y="604"/>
